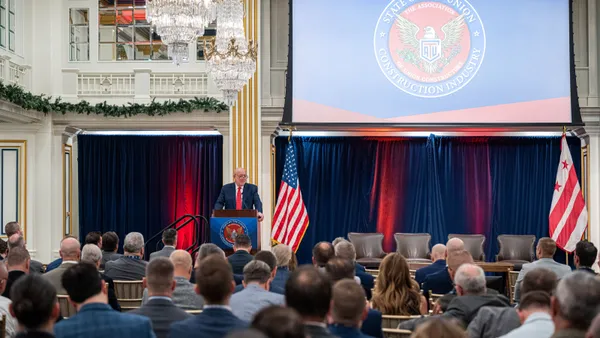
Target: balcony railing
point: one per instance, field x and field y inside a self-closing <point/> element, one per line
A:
<point x="93" y="84"/>
<point x="14" y="74"/>
<point x="178" y="84"/>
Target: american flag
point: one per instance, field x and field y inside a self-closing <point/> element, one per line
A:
<point x="568" y="214"/>
<point x="290" y="220"/>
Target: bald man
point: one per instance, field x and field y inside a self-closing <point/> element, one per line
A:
<point x="70" y="253"/>
<point x="240" y="195"/>
<point x="454" y="244"/>
<point x="11" y="322"/>
<point x="438" y="259"/>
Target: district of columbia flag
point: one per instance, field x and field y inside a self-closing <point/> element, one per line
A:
<point x="568" y="213"/>
<point x="290" y="219"/>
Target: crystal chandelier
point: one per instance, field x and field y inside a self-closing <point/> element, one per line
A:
<point x="180" y="22"/>
<point x="230" y="58"/>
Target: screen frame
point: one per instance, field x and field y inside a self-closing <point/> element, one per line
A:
<point x="287" y="119"/>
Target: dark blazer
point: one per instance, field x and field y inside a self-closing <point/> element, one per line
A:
<point x="425" y="271"/>
<point x="366" y="280"/>
<point x="162" y="313"/>
<point x="439" y="282"/>
<point x="52" y="265"/>
<point x="112" y="296"/>
<point x="126" y="268"/>
<point x="34" y="334"/>
<point x="281" y="277"/>
<point x="165" y="252"/>
<point x="250" y="198"/>
<point x="314" y="331"/>
<point x="211" y="323"/>
<point x="108" y="256"/>
<point x="274" y="289"/>
<point x="346" y="331"/>
<point x="12" y="278"/>
<point x="238" y="261"/>
<point x="36" y="267"/>
<point x="98" y="320"/>
<point x="371" y="326"/>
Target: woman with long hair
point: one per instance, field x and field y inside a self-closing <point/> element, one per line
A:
<point x="396" y="293"/>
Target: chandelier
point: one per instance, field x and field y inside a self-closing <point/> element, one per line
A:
<point x="180" y="22"/>
<point x="230" y="58"/>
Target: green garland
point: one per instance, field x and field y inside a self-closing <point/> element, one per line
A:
<point x="46" y="104"/>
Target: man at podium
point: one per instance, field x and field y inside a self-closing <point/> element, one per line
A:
<point x="240" y="195"/>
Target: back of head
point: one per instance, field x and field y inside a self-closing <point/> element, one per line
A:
<point x="267" y="257"/>
<point x="70" y="249"/>
<point x="438" y="252"/>
<point x="577" y="298"/>
<point x="539" y="279"/>
<point x="308" y="291"/>
<point x="535" y="300"/>
<point x="134" y="243"/>
<point x="214" y="279"/>
<point x="91" y="253"/>
<point x="338" y="269"/>
<point x="110" y="241"/>
<point x="594" y="330"/>
<point x="256" y="272"/>
<point x="82" y="281"/>
<point x="337" y="240"/>
<point x="169" y="237"/>
<point x="283" y="254"/>
<point x="181" y="259"/>
<point x="16" y="240"/>
<point x="322" y="253"/>
<point x="546" y="247"/>
<point x="470" y="280"/>
<point x="288" y="322"/>
<point x="349" y="302"/>
<point x="242" y="241"/>
<point x="396" y="293"/>
<point x="3" y="247"/>
<point x="345" y="250"/>
<point x="208" y="249"/>
<point x="34" y="301"/>
<point x="440" y="328"/>
<point x="93" y="237"/>
<point x="459" y="257"/>
<point x="17" y="256"/>
<point x="12" y="228"/>
<point x="586" y="253"/>
<point x="159" y="275"/>
<point x="454" y="244"/>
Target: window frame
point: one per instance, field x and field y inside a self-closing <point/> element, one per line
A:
<point x="76" y="45"/>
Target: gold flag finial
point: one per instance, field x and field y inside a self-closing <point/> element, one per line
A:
<point x="290" y="135"/>
<point x="564" y="129"/>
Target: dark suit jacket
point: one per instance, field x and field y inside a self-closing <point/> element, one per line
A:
<point x="52" y="265"/>
<point x="366" y="280"/>
<point x="425" y="271"/>
<point x="281" y="277"/>
<point x="238" y="261"/>
<point x="439" y="282"/>
<point x="108" y="256"/>
<point x="346" y="331"/>
<point x="12" y="278"/>
<point x="112" y="296"/>
<point x="211" y="323"/>
<point x="371" y="326"/>
<point x="162" y="313"/>
<point x="250" y="198"/>
<point x="126" y="268"/>
<point x="165" y="252"/>
<point x="314" y="331"/>
<point x="36" y="267"/>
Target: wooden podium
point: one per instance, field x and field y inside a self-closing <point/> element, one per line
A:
<point x="226" y="224"/>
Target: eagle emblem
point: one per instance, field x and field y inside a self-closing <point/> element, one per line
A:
<point x="430" y="54"/>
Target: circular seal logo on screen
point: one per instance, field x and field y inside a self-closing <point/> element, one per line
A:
<point x="231" y="229"/>
<point x="429" y="48"/>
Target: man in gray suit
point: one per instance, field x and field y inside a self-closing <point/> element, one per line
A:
<point x="160" y="308"/>
<point x="257" y="279"/>
<point x="132" y="265"/>
<point x="169" y="239"/>
<point x="70" y="253"/>
<point x="545" y="250"/>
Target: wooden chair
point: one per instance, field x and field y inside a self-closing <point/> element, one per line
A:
<point x="66" y="308"/>
<point x="396" y="333"/>
<point x="433" y="297"/>
<point x="3" y="327"/>
<point x="373" y="272"/>
<point x="194" y="312"/>
<point x="512" y="282"/>
<point x="129" y="294"/>
<point x="412" y="273"/>
<point x="392" y="322"/>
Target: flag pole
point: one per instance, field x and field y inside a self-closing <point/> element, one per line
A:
<point x="290" y="135"/>
<point x="566" y="253"/>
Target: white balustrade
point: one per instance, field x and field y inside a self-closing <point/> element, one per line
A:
<point x="95" y="84"/>
<point x="178" y="85"/>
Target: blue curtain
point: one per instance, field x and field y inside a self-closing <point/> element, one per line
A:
<point x="435" y="185"/>
<point x="143" y="183"/>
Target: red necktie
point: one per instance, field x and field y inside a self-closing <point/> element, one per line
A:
<point x="238" y="199"/>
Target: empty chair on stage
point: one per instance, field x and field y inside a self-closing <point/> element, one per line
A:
<point x="414" y="247"/>
<point x="369" y="248"/>
<point x="516" y="249"/>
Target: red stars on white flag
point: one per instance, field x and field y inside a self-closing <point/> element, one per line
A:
<point x="568" y="213"/>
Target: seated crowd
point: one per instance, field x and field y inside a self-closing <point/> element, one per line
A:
<point x="265" y="295"/>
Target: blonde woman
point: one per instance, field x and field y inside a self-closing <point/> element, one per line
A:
<point x="396" y="293"/>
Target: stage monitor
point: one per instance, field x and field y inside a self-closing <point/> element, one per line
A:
<point x="454" y="62"/>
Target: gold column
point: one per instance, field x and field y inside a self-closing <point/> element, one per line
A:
<point x="245" y="115"/>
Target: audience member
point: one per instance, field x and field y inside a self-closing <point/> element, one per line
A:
<point x="439" y="328"/>
<point x="308" y="291"/>
<point x="184" y="296"/>
<point x="283" y="255"/>
<point x="91" y="253"/>
<point x="544" y="251"/>
<point x="585" y="256"/>
<point x="169" y="239"/>
<point x="288" y="322"/>
<point x="95" y="319"/>
<point x="34" y="306"/>
<point x="493" y="321"/>
<point x="337" y="240"/>
<point x="94" y="237"/>
<point x="160" y="283"/>
<point x="349" y="308"/>
<point x="575" y="304"/>
<point x="132" y="265"/>
<point x="269" y="258"/>
<point x="242" y="245"/>
<point x="5" y="302"/>
<point x="110" y="245"/>
<point x="12" y="228"/>
<point x="255" y="296"/>
<point x="17" y="263"/>
<point x="594" y="330"/>
<point x="214" y="282"/>
<point x="442" y="282"/>
<point x="17" y="240"/>
<point x="534" y="314"/>
<point x="396" y="293"/>
<point x="322" y="253"/>
<point x="346" y="250"/>
<point x="208" y="249"/>
<point x="69" y="253"/>
<point x="438" y="259"/>
<point x="3" y="249"/>
<point x="454" y="244"/>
